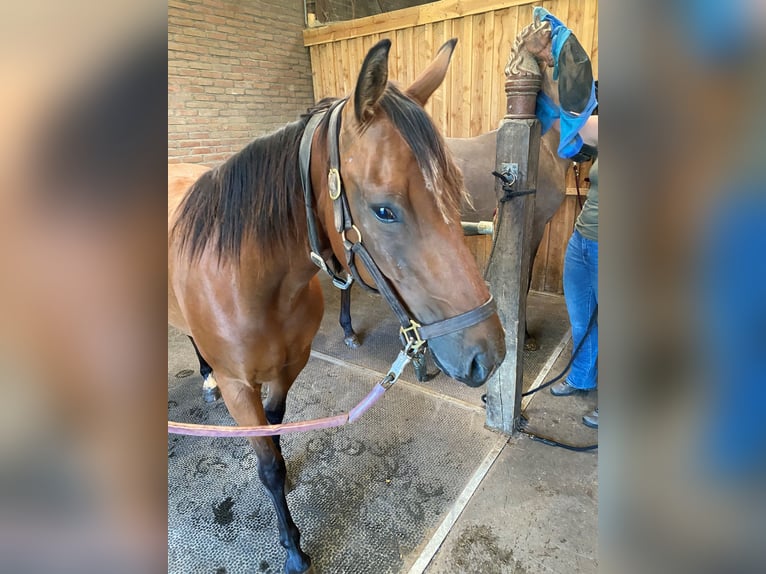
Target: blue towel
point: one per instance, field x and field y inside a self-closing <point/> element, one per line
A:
<point x="547" y="111"/>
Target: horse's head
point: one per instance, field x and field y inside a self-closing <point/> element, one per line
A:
<point x="404" y="192"/>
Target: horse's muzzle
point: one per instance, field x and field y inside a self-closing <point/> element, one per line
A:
<point x="470" y="364"/>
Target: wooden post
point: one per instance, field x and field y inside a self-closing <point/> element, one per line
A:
<point x="518" y="150"/>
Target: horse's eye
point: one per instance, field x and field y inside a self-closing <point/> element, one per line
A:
<point x="384" y="214"/>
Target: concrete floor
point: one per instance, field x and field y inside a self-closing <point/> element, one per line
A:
<point x="536" y="510"/>
<point x="418" y="485"/>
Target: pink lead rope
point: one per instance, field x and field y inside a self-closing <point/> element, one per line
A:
<point x="314" y="424"/>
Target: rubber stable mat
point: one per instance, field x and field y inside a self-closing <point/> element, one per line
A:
<point x="366" y="495"/>
<point x="378" y="329"/>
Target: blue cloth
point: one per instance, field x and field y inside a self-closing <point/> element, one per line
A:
<point x="570" y="142"/>
<point x="559" y="34"/>
<point x="547" y="112"/>
<point x="581" y="294"/>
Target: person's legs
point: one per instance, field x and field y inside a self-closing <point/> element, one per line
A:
<point x="581" y="294"/>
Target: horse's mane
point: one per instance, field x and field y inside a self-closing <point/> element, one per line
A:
<point x="257" y="192"/>
<point x="254" y="193"/>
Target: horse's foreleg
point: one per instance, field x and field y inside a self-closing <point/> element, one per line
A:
<point x="273" y="473"/>
<point x="210" y="392"/>
<point x="276" y="399"/>
<point x="420" y="365"/>
<point x="244" y="404"/>
<point x="349" y="336"/>
<point x="530" y="342"/>
<point x="274" y="407"/>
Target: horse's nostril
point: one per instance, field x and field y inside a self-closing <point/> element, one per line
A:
<point x="480" y="368"/>
<point x="471" y="365"/>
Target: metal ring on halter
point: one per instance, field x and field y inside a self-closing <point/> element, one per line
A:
<point x="334" y="183"/>
<point x="346" y="242"/>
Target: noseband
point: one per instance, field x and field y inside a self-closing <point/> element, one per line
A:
<point x="413" y="334"/>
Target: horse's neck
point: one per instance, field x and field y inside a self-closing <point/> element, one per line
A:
<point x="550" y="141"/>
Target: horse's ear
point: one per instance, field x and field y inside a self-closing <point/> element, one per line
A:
<point x="432" y="77"/>
<point x="372" y="80"/>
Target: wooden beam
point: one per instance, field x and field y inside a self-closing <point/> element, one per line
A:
<point x="518" y="143"/>
<point x="405" y="18"/>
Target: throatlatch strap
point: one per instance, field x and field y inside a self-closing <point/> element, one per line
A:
<point x="331" y="267"/>
<point x="333" y="130"/>
<point x="304" y="157"/>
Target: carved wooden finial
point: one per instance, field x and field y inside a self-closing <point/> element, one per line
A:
<point x="523" y="75"/>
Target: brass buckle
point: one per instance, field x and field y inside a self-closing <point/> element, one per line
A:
<point x="412" y="337"/>
<point x="333" y="183"/>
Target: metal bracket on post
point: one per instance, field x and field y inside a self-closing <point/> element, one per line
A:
<point x="511" y="169"/>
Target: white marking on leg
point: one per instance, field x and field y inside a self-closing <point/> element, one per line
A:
<point x="209" y="383"/>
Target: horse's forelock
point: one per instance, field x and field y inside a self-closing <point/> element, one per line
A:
<point x="440" y="173"/>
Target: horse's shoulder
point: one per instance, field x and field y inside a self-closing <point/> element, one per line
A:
<point x="180" y="173"/>
<point x="181" y="176"/>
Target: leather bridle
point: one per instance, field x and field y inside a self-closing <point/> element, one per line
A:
<point x="414" y="335"/>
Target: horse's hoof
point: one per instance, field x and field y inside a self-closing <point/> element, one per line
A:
<point x="531" y="344"/>
<point x="301" y="568"/>
<point x="211" y="394"/>
<point x="352" y="341"/>
<point x="420" y="368"/>
<point x="425" y="377"/>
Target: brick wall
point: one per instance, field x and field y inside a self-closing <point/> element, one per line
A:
<point x="237" y="69"/>
<point x="338" y="10"/>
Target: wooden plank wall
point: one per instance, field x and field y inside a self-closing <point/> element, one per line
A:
<point x="471" y="100"/>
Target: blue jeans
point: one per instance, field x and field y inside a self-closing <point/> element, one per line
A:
<point x="581" y="294"/>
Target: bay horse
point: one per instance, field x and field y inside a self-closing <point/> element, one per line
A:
<point x="475" y="156"/>
<point x="245" y="245"/>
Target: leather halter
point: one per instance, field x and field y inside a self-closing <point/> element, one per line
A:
<point x="413" y="334"/>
